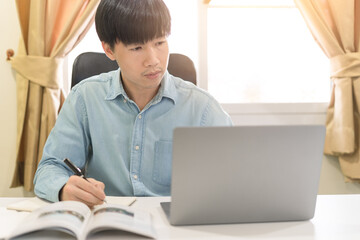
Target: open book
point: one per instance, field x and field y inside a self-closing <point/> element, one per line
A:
<point x="71" y="218"/>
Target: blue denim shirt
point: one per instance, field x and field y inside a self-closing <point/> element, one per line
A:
<point x="103" y="132"/>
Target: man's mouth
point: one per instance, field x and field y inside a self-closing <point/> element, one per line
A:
<point x="153" y="75"/>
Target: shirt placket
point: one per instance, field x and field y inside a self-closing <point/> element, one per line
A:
<point x="136" y="154"/>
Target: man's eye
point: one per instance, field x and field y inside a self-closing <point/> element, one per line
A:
<point x="135" y="49"/>
<point x="160" y="43"/>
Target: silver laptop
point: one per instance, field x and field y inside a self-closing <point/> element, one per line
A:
<point x="244" y="174"/>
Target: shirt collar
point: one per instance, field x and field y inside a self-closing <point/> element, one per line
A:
<point x="167" y="88"/>
<point x="115" y="87"/>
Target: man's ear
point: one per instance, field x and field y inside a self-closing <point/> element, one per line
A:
<point x="108" y="51"/>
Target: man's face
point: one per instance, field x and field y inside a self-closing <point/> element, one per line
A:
<point x="142" y="65"/>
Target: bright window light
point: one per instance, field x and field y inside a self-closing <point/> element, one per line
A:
<point x="264" y="55"/>
<point x="247" y="3"/>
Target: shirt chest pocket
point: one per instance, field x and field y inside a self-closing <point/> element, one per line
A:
<point x="163" y="163"/>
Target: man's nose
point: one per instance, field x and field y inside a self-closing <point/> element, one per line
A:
<point x="151" y="58"/>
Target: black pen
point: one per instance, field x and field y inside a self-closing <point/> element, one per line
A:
<point x="74" y="168"/>
<point x="77" y="171"/>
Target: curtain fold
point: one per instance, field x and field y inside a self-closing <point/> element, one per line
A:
<point x="50" y="30"/>
<point x="335" y="26"/>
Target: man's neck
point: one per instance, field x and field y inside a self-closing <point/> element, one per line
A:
<point x="141" y="96"/>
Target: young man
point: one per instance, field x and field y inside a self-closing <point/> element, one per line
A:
<point x="118" y="126"/>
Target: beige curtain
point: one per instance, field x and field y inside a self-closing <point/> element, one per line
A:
<point x="335" y="25"/>
<point x="50" y="30"/>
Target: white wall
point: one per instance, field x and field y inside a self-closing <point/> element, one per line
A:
<point x="10" y="33"/>
<point x="331" y="178"/>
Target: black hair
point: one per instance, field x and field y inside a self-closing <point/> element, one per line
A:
<point x="132" y="21"/>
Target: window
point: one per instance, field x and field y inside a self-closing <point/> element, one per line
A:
<point x="263" y="54"/>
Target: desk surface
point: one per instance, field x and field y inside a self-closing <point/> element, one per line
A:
<point x="336" y="217"/>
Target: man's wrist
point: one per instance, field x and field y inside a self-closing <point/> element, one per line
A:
<point x="60" y="193"/>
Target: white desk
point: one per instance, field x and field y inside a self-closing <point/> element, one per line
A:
<point x="336" y="217"/>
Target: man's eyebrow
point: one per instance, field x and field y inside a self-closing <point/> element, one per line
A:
<point x="162" y="38"/>
<point x="133" y="44"/>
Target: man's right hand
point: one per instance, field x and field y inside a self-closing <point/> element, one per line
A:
<point x="89" y="191"/>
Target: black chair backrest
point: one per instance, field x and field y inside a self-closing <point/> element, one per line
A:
<point x="88" y="64"/>
<point x="182" y="66"/>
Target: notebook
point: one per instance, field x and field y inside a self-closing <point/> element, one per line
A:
<point x="244" y="174"/>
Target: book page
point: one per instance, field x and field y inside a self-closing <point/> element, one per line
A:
<point x="67" y="216"/>
<point x="9" y="220"/>
<point x="118" y="217"/>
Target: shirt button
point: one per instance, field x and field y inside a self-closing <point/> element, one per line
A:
<point x="124" y="100"/>
<point x="137" y="147"/>
<point x="135" y="177"/>
<point x="140" y="116"/>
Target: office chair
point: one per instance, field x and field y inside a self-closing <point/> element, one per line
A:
<point x="88" y="64"/>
